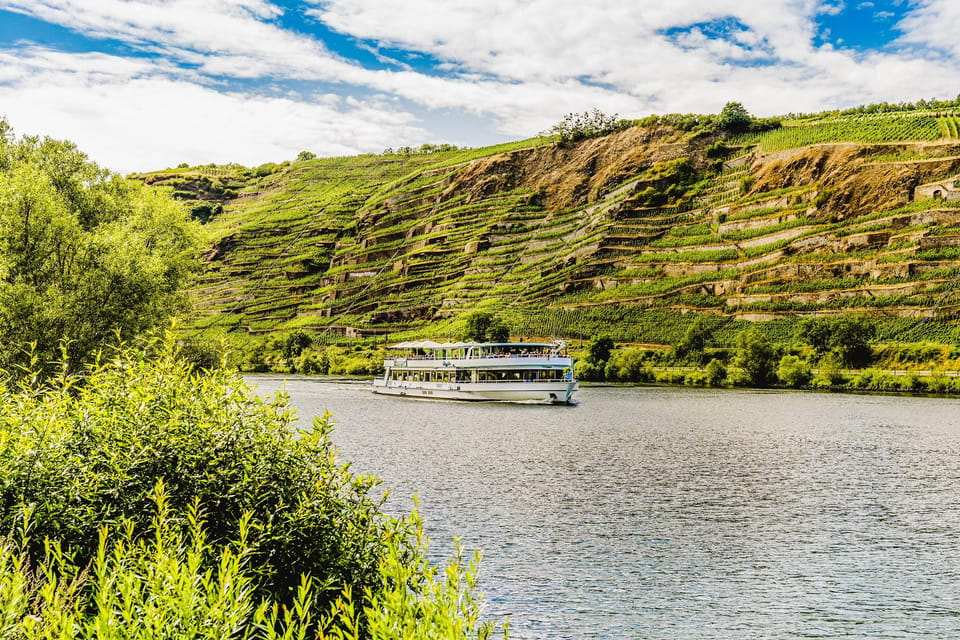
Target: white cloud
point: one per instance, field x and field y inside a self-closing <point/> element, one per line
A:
<point x="130" y="117"/>
<point x="203" y="32"/>
<point x="935" y="24"/>
<point x="517" y="65"/>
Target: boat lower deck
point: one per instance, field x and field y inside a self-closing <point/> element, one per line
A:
<point x="560" y="392"/>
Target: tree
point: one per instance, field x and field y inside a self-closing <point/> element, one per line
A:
<point x="755" y="357"/>
<point x="295" y="342"/>
<point x="86" y="258"/>
<point x="498" y="331"/>
<point x="794" y="372"/>
<point x="690" y="346"/>
<point x="847" y="337"/>
<point x="306" y="155"/>
<point x="599" y="349"/>
<point x="716" y="373"/>
<point x="850" y="340"/>
<point x="734" y="118"/>
<point x="483" y="326"/>
<point x="629" y="365"/>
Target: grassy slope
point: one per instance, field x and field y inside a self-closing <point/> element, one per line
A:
<point x="406" y="244"/>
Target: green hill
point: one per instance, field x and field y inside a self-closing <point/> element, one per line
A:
<point x="633" y="234"/>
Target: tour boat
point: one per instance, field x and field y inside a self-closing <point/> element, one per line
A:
<point x="491" y="371"/>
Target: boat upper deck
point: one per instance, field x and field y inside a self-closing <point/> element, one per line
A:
<point x="480" y="354"/>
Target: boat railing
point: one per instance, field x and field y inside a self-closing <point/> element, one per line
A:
<point x="451" y="384"/>
<point x="484" y="356"/>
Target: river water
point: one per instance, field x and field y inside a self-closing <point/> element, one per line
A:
<point x="650" y="512"/>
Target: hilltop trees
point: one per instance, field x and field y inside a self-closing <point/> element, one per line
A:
<point x="86" y="257"/>
<point x="735" y="119"/>
<point x="589" y="124"/>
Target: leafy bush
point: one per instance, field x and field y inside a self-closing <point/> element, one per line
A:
<point x="155" y="500"/>
<point x="629" y="365"/>
<point x="794" y="372"/>
<point x="716" y="373"/>
<point x="85" y="455"/>
<point x="165" y="586"/>
<point x="829" y="374"/>
<point x="696" y="379"/>
<point x="588" y="370"/>
<point x="670" y="377"/>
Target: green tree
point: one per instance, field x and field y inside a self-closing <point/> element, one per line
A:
<point x="847" y="337"/>
<point x="716" y="373"/>
<point x="850" y="339"/>
<point x="587" y="369"/>
<point x="734" y="118"/>
<point x="690" y="347"/>
<point x="483" y="326"/>
<point x="629" y="365"/>
<point x="294" y="343"/>
<point x="599" y="349"/>
<point x="306" y="155"/>
<point x="498" y="331"/>
<point x="794" y="372"/>
<point x="755" y="357"/>
<point x="85" y="256"/>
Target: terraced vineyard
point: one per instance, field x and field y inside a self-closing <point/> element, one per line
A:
<point x="866" y="128"/>
<point x="566" y="242"/>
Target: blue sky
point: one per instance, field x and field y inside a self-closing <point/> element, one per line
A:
<point x="146" y="84"/>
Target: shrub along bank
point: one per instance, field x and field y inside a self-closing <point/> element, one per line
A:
<point x="148" y="500"/>
<point x="822" y="353"/>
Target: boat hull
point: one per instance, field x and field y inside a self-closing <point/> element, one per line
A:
<point x="552" y="392"/>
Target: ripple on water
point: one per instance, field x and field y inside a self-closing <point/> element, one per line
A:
<point x="676" y="513"/>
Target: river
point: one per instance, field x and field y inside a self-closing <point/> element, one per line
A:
<point x="651" y="512"/>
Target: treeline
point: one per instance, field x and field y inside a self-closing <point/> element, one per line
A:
<point x="733" y="119"/>
<point x="824" y="353"/>
<point x="932" y="104"/>
<point x="424" y="148"/>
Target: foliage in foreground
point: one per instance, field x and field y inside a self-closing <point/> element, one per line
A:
<point x="177" y="583"/>
<point x="263" y="505"/>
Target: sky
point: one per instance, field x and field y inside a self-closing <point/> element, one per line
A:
<point x="148" y="84"/>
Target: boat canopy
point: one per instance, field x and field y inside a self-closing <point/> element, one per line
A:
<point x="437" y="346"/>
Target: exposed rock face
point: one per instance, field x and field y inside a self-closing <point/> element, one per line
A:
<point x="848" y="182"/>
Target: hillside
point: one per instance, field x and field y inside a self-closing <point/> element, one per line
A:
<point x="633" y="234"/>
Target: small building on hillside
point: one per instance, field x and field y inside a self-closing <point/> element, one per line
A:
<point x="948" y="189"/>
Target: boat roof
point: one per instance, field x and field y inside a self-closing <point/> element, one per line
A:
<point x="431" y="345"/>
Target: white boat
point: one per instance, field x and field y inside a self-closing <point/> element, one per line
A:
<point x="491" y="371"/>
